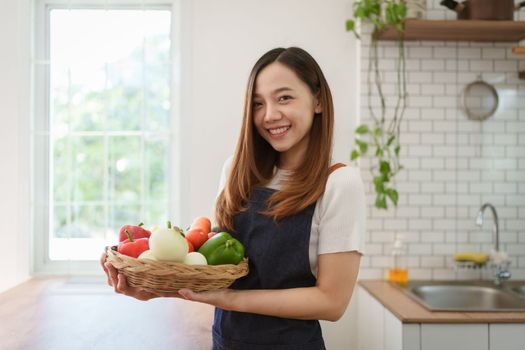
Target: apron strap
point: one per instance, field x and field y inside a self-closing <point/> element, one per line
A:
<point x="335" y="166"/>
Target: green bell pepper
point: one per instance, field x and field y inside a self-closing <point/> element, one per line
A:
<point x="222" y="248"/>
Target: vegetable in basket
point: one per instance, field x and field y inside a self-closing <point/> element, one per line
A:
<point x="195" y="258"/>
<point x="167" y="243"/>
<point x="137" y="231"/>
<point x="222" y="248"/>
<point x="196" y="237"/>
<point x="133" y="247"/>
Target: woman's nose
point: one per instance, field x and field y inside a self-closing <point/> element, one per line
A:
<point x="272" y="113"/>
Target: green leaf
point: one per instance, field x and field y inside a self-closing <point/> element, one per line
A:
<point x="363" y="146"/>
<point x="390" y="140"/>
<point x="377" y="23"/>
<point x="379" y="152"/>
<point x="359" y="13"/>
<point x="379" y="183"/>
<point x="393" y="195"/>
<point x="401" y="10"/>
<point x="384" y="167"/>
<point x="375" y="7"/>
<point x="362" y="129"/>
<point x="355" y="155"/>
<point x="396" y="150"/>
<point x="390" y="16"/>
<point x="381" y="201"/>
<point x="350" y="25"/>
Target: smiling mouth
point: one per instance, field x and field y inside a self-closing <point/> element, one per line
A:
<point x="279" y="131"/>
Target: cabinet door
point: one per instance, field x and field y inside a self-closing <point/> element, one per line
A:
<point x="393" y="329"/>
<point x="507" y="336"/>
<point x="455" y="336"/>
<point x="370" y="331"/>
<point x="400" y="336"/>
<point x="412" y="336"/>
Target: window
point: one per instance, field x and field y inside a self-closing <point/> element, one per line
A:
<point x="102" y="122"/>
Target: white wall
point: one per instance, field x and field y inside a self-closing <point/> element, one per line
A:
<point x="14" y="142"/>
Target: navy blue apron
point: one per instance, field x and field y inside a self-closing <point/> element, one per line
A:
<point x="278" y="259"/>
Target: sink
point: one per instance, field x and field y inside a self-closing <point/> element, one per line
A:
<point x="467" y="295"/>
<point x="520" y="290"/>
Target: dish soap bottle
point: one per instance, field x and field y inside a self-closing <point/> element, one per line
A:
<point x="398" y="271"/>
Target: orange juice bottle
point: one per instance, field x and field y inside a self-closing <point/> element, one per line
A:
<point x="398" y="271"/>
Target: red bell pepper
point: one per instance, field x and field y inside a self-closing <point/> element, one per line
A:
<point x="133" y="247"/>
<point x="137" y="231"/>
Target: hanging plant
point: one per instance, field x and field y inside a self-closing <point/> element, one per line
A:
<point x="382" y="136"/>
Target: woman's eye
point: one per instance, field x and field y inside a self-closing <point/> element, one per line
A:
<point x="284" y="98"/>
<point x="257" y="105"/>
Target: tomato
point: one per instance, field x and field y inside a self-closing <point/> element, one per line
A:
<point x="197" y="237"/>
<point x="137" y="231"/>
<point x="202" y="223"/>
<point x="222" y="249"/>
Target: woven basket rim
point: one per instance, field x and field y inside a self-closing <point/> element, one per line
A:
<point x="150" y="262"/>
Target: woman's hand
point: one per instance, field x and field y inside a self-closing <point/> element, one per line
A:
<point x="118" y="282"/>
<point x="223" y="298"/>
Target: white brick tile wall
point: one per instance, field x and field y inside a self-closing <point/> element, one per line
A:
<point x="492" y="53"/>
<point x="451" y="164"/>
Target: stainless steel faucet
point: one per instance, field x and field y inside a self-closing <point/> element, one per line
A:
<point x="502" y="272"/>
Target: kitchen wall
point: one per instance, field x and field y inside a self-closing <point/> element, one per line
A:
<point x="452" y="164"/>
<point x="14" y="142"/>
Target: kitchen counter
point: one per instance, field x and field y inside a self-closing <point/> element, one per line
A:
<point x="85" y="313"/>
<point x="408" y="310"/>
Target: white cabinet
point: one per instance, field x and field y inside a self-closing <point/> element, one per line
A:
<point x="507" y="336"/>
<point x="452" y="336"/>
<point x="379" y="329"/>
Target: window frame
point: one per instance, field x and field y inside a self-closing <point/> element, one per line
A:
<point x="40" y="124"/>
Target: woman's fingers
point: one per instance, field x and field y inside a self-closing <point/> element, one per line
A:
<point x="187" y="294"/>
<point x="122" y="285"/>
<point x="134" y="292"/>
<point x="118" y="282"/>
<point x="103" y="261"/>
<point x="112" y="275"/>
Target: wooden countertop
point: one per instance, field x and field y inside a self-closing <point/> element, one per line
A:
<point x="85" y="313"/>
<point x="410" y="311"/>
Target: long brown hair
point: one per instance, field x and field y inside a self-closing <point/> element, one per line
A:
<point x="254" y="158"/>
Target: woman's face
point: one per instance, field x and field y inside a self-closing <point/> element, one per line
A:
<point x="283" y="112"/>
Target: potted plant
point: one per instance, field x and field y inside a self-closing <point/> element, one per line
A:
<point x="381" y="137"/>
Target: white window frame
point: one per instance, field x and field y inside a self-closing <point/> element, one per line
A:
<point x="40" y="155"/>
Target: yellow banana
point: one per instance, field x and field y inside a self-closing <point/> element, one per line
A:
<point x="475" y="257"/>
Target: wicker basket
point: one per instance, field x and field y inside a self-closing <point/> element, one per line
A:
<point x="169" y="277"/>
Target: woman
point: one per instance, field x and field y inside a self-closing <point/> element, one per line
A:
<point x="300" y="218"/>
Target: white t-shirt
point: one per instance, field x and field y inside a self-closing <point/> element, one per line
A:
<point x="338" y="223"/>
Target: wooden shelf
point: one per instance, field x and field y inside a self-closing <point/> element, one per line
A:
<point x="459" y="30"/>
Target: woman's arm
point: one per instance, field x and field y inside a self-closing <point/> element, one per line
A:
<point x="327" y="300"/>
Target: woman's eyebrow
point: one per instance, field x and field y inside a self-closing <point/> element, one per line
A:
<point x="276" y="91"/>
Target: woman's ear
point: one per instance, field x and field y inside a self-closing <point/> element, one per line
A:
<point x="318" y="105"/>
